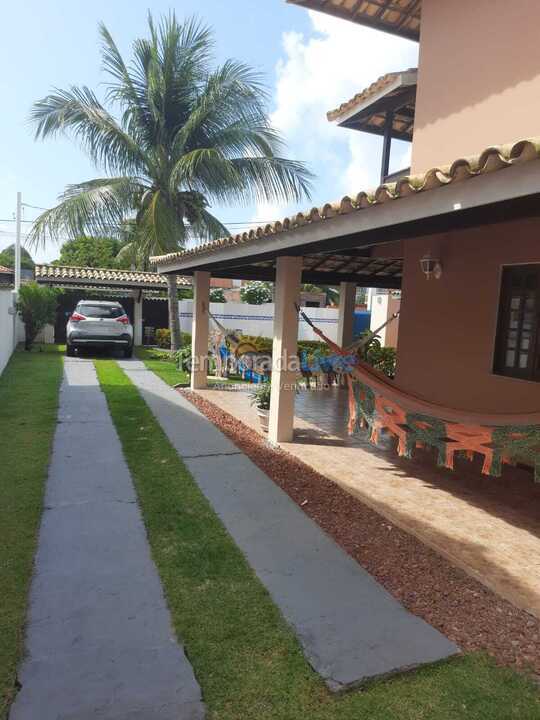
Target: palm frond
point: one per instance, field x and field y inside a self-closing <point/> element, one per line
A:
<point x="79" y="112"/>
<point x="97" y="207"/>
<point x="160" y="228"/>
<point x="207" y="227"/>
<point x="232" y="92"/>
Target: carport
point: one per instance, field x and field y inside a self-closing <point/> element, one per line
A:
<point x="142" y="293"/>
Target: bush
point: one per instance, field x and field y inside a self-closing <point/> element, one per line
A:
<point x="37" y="307"/>
<point x="379" y="357"/>
<point x="261" y="344"/>
<point x="163" y="338"/>
<point x="256" y="292"/>
<point x="264" y="344"/>
<point x="217" y="295"/>
<point x="312" y="347"/>
<point x="260" y="397"/>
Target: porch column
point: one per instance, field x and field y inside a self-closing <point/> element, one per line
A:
<point x="199" y="330"/>
<point x="284" y="372"/>
<point x="347" y="303"/>
<point x="137" y="317"/>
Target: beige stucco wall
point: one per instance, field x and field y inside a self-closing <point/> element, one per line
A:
<point x="383" y="306"/>
<point x="479" y="78"/>
<point x="447" y="327"/>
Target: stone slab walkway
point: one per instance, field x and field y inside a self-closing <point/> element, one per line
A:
<point x="350" y="628"/>
<point x="99" y="638"/>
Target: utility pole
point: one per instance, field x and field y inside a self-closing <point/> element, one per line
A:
<point x="18" y="222"/>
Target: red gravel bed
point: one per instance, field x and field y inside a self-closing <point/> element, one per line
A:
<point x="423" y="581"/>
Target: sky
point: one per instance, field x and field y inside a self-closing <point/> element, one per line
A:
<point x="311" y="63"/>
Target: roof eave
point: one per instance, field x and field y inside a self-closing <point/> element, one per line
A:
<point x="512" y="182"/>
<point x="361" y="20"/>
<point x="405" y="79"/>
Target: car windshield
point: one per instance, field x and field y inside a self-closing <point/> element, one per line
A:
<point x="100" y="311"/>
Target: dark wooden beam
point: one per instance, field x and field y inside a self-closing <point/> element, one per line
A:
<point x="387" y="145"/>
<point x="314" y="278"/>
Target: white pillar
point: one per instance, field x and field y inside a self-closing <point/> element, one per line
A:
<point x="137" y="317"/>
<point x="347" y="303"/>
<point x="284" y="364"/>
<point x="199" y="330"/>
<point x="18" y="222"/>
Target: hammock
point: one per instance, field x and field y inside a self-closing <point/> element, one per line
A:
<point x="376" y="403"/>
<point x="240" y="348"/>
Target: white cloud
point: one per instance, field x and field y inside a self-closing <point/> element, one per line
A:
<point x="318" y="73"/>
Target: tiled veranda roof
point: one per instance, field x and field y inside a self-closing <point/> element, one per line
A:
<point x="6" y="270"/>
<point x="374" y="89"/>
<point x="103" y="276"/>
<point x="399" y="17"/>
<point x="490" y="160"/>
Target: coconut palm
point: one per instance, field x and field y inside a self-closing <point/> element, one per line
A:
<point x="187" y="136"/>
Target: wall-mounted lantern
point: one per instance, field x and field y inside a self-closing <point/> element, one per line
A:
<point x="431" y="267"/>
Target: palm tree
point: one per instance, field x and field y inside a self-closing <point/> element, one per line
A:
<point x="188" y="135"/>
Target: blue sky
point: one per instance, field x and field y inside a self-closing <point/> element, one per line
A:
<point x="311" y="62"/>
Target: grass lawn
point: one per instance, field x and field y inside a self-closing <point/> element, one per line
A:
<point x="246" y="659"/>
<point x="28" y="406"/>
<point x="168" y="371"/>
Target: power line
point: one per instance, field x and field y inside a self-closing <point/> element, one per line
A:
<point x="34" y="207"/>
<point x="3" y="220"/>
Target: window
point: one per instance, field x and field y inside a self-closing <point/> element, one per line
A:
<point x="518" y="337"/>
<point x="100" y="311"/>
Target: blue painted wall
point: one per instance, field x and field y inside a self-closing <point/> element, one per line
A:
<point x="362" y="319"/>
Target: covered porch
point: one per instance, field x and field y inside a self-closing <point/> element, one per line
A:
<point x="436" y="236"/>
<point x="460" y="383"/>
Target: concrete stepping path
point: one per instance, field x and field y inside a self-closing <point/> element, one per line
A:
<point x="99" y="638"/>
<point x="351" y="629"/>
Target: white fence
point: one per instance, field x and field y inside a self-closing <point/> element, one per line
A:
<point x="7" y="339"/>
<point x="259" y="319"/>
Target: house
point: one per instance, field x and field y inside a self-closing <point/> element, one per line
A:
<point x="458" y="233"/>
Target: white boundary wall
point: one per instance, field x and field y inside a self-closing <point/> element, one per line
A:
<point x="259" y="319"/>
<point x="7" y="344"/>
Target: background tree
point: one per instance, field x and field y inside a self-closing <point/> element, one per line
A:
<point x="7" y="258"/>
<point x="217" y="295"/>
<point x="189" y="135"/>
<point x="256" y="292"/>
<point x="84" y="251"/>
<point x="36" y="305"/>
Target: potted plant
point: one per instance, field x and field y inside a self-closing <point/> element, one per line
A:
<point x="260" y="397"/>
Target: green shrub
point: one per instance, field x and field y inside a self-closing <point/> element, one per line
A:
<point x="260" y="397"/>
<point x="379" y="357"/>
<point x="264" y="344"/>
<point x="256" y="292"/>
<point x="37" y="307"/>
<point x="163" y="338"/>
<point x="217" y="295"/>
<point x="261" y="344"/>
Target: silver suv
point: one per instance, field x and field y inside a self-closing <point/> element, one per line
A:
<point x="96" y="323"/>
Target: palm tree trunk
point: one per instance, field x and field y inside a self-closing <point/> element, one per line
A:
<point x="174" y="321"/>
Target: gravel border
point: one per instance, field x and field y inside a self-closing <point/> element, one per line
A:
<point x="424" y="582"/>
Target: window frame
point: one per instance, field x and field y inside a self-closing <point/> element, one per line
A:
<point x="506" y="291"/>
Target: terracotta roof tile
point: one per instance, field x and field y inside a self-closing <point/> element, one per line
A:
<point x="490" y="160"/>
<point x="6" y="270"/>
<point x="103" y="275"/>
<point x="374" y="89"/>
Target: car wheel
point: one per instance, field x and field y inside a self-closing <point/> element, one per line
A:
<point x="70" y="350"/>
<point x="128" y="352"/>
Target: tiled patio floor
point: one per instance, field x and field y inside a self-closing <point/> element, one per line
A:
<point x="490" y="527"/>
